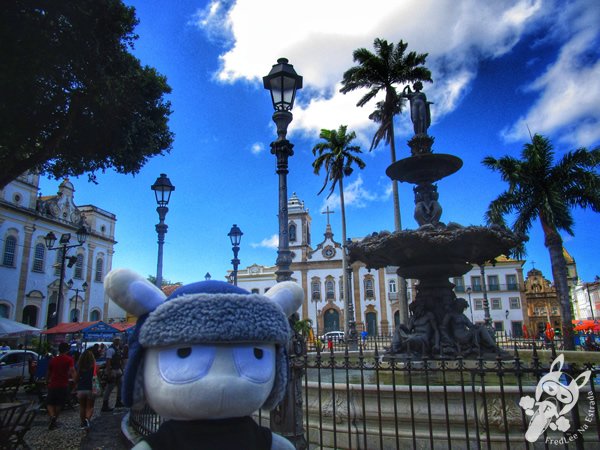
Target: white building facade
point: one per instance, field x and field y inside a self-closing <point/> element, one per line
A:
<point x="586" y="300"/>
<point x="318" y="269"/>
<point x="30" y="272"/>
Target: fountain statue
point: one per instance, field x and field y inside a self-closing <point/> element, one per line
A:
<point x="433" y="253"/>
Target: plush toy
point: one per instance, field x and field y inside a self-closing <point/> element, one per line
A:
<point x="205" y="359"/>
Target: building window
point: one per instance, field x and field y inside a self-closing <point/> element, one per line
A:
<point x="4" y="310"/>
<point x="476" y="284"/>
<point x="78" y="273"/>
<point x="315" y="289"/>
<point x="58" y="262"/>
<point x="459" y="284"/>
<point x="369" y="290"/>
<point x="99" y="270"/>
<point x="496" y="303"/>
<point x="515" y="303"/>
<point x="479" y="304"/>
<point x="554" y="310"/>
<point x="39" y="255"/>
<point x="392" y="286"/>
<point x="255" y="291"/>
<point x="95" y="315"/>
<point x="499" y="325"/>
<point x="493" y="284"/>
<point x="292" y="232"/>
<point x="511" y="283"/>
<point x="30" y="314"/>
<point x="10" y="247"/>
<point x="517" y="328"/>
<point x="329" y="290"/>
<point x="539" y="311"/>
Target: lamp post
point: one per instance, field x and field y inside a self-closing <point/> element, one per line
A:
<point x="283" y="82"/>
<point x="235" y="234"/>
<point x="162" y="188"/>
<point x="352" y="337"/>
<point x="84" y="287"/>
<point x="469" y="290"/>
<point x="63" y="247"/>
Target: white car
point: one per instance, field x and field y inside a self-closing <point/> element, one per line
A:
<point x="335" y="336"/>
<point x="16" y="363"/>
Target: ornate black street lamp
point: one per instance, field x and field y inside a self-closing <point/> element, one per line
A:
<point x="235" y="234"/>
<point x="83" y="289"/>
<point x="162" y="188"/>
<point x="283" y="82"/>
<point x="63" y="246"/>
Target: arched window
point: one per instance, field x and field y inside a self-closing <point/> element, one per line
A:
<point x="292" y="232"/>
<point x="30" y="315"/>
<point x="74" y="315"/>
<point x="329" y="290"/>
<point x="369" y="291"/>
<point x="39" y="255"/>
<point x="95" y="315"/>
<point x="59" y="253"/>
<point x="392" y="286"/>
<point x="315" y="289"/>
<point x="10" y="248"/>
<point x="99" y="270"/>
<point x="4" y="310"/>
<point x="78" y="273"/>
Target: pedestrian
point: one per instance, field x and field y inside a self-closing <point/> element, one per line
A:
<point x="86" y="369"/>
<point x="113" y="372"/>
<point x="60" y="369"/>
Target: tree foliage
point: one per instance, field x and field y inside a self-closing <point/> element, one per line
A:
<point x="74" y="99"/>
<point x="539" y="188"/>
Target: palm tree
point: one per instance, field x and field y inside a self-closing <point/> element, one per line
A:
<point x="383" y="71"/>
<point x="337" y="155"/>
<point x="544" y="190"/>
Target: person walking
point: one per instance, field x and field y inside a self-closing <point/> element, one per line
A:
<point x="60" y="370"/>
<point x="114" y="373"/>
<point x="86" y="369"/>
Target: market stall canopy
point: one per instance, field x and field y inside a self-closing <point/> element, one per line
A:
<point x="97" y="330"/>
<point x="123" y="326"/>
<point x="10" y="328"/>
<point x="585" y="325"/>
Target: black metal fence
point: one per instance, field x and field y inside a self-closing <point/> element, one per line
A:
<point x="365" y="400"/>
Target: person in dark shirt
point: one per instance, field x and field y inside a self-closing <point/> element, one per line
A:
<point x="86" y="369"/>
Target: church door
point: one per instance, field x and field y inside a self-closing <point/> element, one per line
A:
<point x="371" y="323"/>
<point x="332" y="320"/>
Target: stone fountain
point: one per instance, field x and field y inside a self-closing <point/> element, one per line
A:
<point x="433" y="253"/>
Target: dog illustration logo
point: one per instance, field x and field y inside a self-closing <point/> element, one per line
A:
<point x="553" y="400"/>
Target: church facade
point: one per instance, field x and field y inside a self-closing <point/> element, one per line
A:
<point x="29" y="272"/>
<point x="317" y="267"/>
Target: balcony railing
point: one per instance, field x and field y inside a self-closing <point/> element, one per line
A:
<point x="496" y="287"/>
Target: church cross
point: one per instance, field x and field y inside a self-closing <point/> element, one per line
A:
<point x="327" y="211"/>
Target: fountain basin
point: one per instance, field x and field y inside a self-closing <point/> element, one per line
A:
<point x="424" y="168"/>
<point x="429" y="251"/>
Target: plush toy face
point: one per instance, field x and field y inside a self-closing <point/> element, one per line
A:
<point x="206" y="381"/>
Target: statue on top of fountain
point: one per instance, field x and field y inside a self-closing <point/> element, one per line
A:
<point x="419" y="108"/>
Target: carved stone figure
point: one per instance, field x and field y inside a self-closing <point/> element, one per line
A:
<point x="419" y="108"/>
<point x="427" y="208"/>
<point x="461" y="336"/>
<point x="421" y="335"/>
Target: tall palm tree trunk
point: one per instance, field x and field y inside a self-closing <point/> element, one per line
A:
<point x="402" y="288"/>
<point x="344" y="261"/>
<point x="554" y="244"/>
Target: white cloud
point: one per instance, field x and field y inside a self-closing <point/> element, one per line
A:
<point x="270" y="242"/>
<point x="257" y="148"/>
<point x="355" y="195"/>
<point x="569" y="90"/>
<point x="319" y="38"/>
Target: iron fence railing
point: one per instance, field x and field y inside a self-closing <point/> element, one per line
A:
<point x="366" y="400"/>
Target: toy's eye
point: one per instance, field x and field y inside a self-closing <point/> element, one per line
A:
<point x="185" y="364"/>
<point x="255" y="363"/>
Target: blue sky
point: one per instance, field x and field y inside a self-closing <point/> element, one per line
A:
<point x="498" y="68"/>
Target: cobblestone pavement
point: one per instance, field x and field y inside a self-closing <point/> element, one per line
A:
<point x="104" y="434"/>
